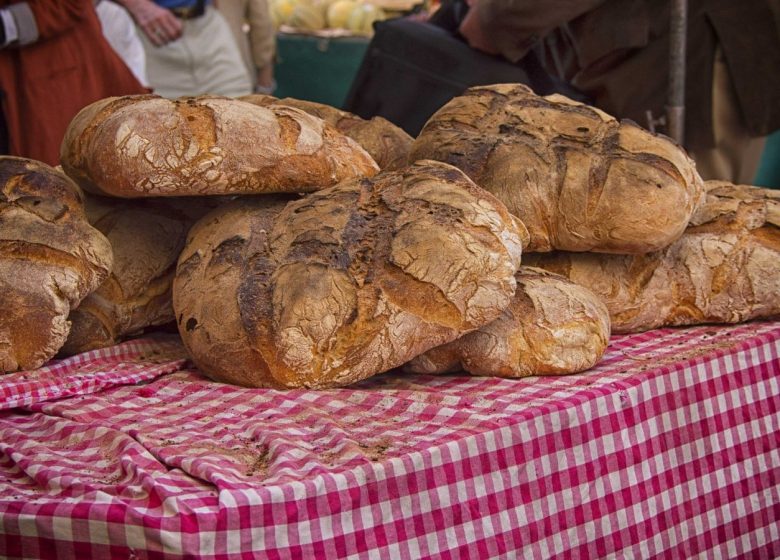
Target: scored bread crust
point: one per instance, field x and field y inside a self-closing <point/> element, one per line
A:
<point x="387" y="143"/>
<point x="50" y="259"/>
<point x="146" y="237"/>
<point x="576" y="177"/>
<point x="552" y="327"/>
<point x="724" y="269"/>
<point x="347" y="282"/>
<point x="145" y="145"/>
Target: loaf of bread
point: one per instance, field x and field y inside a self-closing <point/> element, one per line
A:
<point x="724" y="269"/>
<point x="551" y="327"/>
<point x="387" y="143"/>
<point x="347" y="282"/>
<point x="577" y="178"/>
<point x="141" y="146"/>
<point x="50" y="259"/>
<point x="146" y="237"/>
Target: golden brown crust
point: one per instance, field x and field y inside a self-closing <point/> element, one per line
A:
<point x="50" y="259"/>
<point x="140" y="146"/>
<point x="344" y="283"/>
<point x="387" y="143"/>
<point x="146" y="237"/>
<point x="577" y="178"/>
<point x="552" y="327"/>
<point x="724" y="269"/>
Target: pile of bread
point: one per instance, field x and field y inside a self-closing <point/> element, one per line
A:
<point x="295" y="245"/>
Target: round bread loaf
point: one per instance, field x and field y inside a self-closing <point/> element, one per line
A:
<point x="387" y="143"/>
<point x="347" y="282"/>
<point x="145" y="145"/>
<point x="577" y="178"/>
<point x="552" y="327"/>
<point x="146" y="237"/>
<point x="50" y="259"/>
<point x="724" y="269"/>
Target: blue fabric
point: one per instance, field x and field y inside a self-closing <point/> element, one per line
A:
<point x="178" y="3"/>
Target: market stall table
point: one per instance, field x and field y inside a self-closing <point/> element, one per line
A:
<point x="670" y="447"/>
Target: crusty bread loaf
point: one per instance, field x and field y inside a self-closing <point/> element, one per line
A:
<point x="347" y="282"/>
<point x="387" y="143"/>
<point x="146" y="237"/>
<point x="140" y="146"/>
<point x="577" y="178"/>
<point x="552" y="327"/>
<point x="50" y="259"/>
<point x="724" y="269"/>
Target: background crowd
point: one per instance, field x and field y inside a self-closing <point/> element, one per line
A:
<point x="57" y="56"/>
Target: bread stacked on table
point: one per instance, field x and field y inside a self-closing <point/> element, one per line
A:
<point x="50" y="259"/>
<point x="724" y="269"/>
<point x="387" y="143"/>
<point x="147" y="237"/>
<point x="586" y="185"/>
<point x="347" y="282"/>
<point x="334" y="248"/>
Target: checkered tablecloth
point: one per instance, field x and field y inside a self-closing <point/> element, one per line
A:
<point x="669" y="448"/>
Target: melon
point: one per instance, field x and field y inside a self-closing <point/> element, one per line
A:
<point x="281" y="10"/>
<point x="339" y="11"/>
<point x="362" y="18"/>
<point x="306" y="15"/>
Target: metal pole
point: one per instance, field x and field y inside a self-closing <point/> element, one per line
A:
<point x="675" y="109"/>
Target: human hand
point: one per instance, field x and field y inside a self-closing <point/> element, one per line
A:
<point x="158" y="24"/>
<point x="265" y="80"/>
<point x="471" y="30"/>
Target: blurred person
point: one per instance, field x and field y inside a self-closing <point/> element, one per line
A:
<point x="54" y="61"/>
<point x="190" y="49"/>
<point x="120" y="32"/>
<point x="258" y="44"/>
<point x="617" y="52"/>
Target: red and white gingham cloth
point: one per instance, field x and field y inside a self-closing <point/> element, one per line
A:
<point x="669" y="448"/>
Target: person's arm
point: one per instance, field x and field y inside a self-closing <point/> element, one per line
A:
<point x="157" y="23"/>
<point x="511" y="27"/>
<point x="24" y="23"/>
<point x="262" y="41"/>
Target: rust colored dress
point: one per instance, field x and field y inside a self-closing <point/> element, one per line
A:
<point x="45" y="83"/>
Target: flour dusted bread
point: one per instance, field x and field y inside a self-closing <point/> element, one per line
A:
<point x="146" y="237"/>
<point x="50" y="259"/>
<point x="724" y="269"/>
<point x="551" y="327"/>
<point x="141" y="146"/>
<point x="387" y="143"/>
<point x="347" y="282"/>
<point x="576" y="177"/>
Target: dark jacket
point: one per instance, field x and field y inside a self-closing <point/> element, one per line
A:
<point x="617" y="52"/>
<point x="63" y="65"/>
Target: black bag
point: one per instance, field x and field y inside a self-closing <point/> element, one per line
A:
<point x="411" y="69"/>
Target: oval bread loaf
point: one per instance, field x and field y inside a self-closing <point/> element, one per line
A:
<point x="724" y="269"/>
<point x="146" y="237"/>
<point x="577" y="178"/>
<point x="387" y="143"/>
<point x="145" y="145"/>
<point x="552" y="327"/>
<point x="347" y="282"/>
<point x="50" y="259"/>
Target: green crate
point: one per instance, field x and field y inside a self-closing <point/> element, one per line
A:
<point x="769" y="171"/>
<point x="317" y="68"/>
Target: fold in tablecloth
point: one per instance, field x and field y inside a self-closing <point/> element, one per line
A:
<point x="668" y="448"/>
